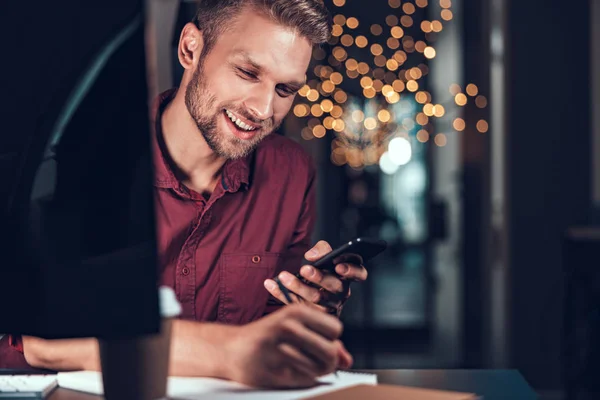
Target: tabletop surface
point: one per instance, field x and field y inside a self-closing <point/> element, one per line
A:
<point x="491" y="384"/>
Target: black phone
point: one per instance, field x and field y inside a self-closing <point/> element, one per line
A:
<point x="358" y="251"/>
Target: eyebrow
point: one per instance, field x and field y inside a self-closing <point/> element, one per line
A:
<point x="294" y="85"/>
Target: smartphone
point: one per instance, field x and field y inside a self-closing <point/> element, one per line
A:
<point x="358" y="251"/>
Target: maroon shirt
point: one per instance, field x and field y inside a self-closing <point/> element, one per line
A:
<point x="216" y="252"/>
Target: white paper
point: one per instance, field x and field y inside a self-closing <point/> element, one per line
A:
<point x="183" y="388"/>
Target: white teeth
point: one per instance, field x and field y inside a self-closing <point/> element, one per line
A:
<point x="238" y="122"/>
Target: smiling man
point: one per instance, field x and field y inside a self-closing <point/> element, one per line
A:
<point x="235" y="205"/>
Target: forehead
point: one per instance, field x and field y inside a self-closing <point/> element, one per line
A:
<point x="277" y="49"/>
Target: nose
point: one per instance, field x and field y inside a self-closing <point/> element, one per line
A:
<point x="260" y="102"/>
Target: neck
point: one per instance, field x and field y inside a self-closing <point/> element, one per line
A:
<point x="195" y="164"/>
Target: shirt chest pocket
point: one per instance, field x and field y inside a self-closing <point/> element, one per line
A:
<point x="243" y="297"/>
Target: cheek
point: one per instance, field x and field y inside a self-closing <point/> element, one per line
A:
<point x="282" y="107"/>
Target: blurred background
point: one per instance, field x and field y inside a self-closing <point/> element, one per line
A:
<point x="466" y="133"/>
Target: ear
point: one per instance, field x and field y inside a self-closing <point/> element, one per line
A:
<point x="190" y="46"/>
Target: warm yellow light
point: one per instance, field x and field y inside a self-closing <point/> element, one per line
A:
<point x="391" y="64"/>
<point x="436" y="26"/>
<point x="312" y="95"/>
<point x="439" y="110"/>
<point x="459" y="124"/>
<point x="445" y="3"/>
<point x="358" y="116"/>
<point x="306" y="133"/>
<point x="347" y="40"/>
<point x="363" y="68"/>
<point x="408" y="43"/>
<point x="304" y="90"/>
<point x="352" y="74"/>
<point x="394" y="3"/>
<point x="426" y="26"/>
<point x="423" y="136"/>
<point x="327" y="105"/>
<point x="440" y="140"/>
<point x="429" y="52"/>
<point x="428" y="109"/>
<point x="328" y="86"/>
<point x="472" y="89"/>
<point x="400" y="56"/>
<point x="446" y="15"/>
<point x="325" y="72"/>
<point x="301" y="110"/>
<point x="319" y="131"/>
<point x="421" y="3"/>
<point x="394" y="98"/>
<point x="337" y="111"/>
<point x="408" y="8"/>
<point x="391" y="20"/>
<point x="380" y="61"/>
<point x="316" y="110"/>
<point x="384" y="115"/>
<point x="366" y="82"/>
<point x="361" y="41"/>
<point x="376" y="29"/>
<point x="339" y="20"/>
<point x="337" y="30"/>
<point x="421" y="97"/>
<point x="336" y="78"/>
<point x="481" y="101"/>
<point x="351" y="64"/>
<point x="460" y="99"/>
<point x="340" y="96"/>
<point x="328" y="122"/>
<point x="339" y="125"/>
<point x="420" y="46"/>
<point x="422" y="119"/>
<point x="376" y="49"/>
<point x="415" y="73"/>
<point x="412" y="85"/>
<point x="377" y="85"/>
<point x="370" y="123"/>
<point x="339" y="3"/>
<point x="482" y="126"/>
<point x="454" y="89"/>
<point x="393" y="43"/>
<point x="369" y="93"/>
<point x="387" y="90"/>
<point x="397" y="32"/>
<point x="352" y="23"/>
<point x="398" y="85"/>
<point x="340" y="54"/>
<point x="338" y="157"/>
<point x="406" y="21"/>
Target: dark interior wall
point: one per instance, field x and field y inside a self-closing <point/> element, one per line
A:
<point x="548" y="170"/>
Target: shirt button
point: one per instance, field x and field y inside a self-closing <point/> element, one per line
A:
<point x="185" y="271"/>
<point x="256" y="259"/>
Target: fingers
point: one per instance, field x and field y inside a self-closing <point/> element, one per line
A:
<point x="322" y="352"/>
<point x="323" y="324"/>
<point x="295" y="285"/>
<point x="303" y="364"/>
<point x="352" y="271"/>
<point x="327" y="281"/>
<point x="345" y="359"/>
<point x="273" y="288"/>
<point x="318" y="251"/>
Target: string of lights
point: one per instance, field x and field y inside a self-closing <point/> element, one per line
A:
<point x="394" y="68"/>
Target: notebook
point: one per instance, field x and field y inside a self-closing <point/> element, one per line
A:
<point x="184" y="388"/>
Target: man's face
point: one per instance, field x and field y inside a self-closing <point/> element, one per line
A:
<point x="245" y="86"/>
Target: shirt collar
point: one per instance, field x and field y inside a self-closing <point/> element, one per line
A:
<point x="236" y="173"/>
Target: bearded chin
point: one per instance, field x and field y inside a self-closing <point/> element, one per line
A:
<point x="199" y="102"/>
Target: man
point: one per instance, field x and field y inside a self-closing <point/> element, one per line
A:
<point x="235" y="205"/>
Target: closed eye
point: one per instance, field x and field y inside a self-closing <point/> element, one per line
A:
<point x="247" y="74"/>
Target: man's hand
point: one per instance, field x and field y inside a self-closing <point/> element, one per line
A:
<point x="328" y="290"/>
<point x="289" y="348"/>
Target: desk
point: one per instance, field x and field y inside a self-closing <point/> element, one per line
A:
<point x="492" y="384"/>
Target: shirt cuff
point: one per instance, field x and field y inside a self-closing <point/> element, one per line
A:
<point x="16" y="341"/>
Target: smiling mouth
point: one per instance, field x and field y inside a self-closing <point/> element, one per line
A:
<point x="239" y="123"/>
